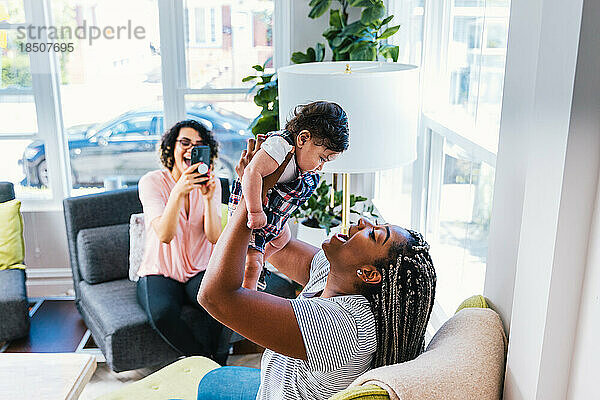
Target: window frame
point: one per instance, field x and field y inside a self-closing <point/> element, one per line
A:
<point x="46" y="92"/>
<point x="435" y="131"/>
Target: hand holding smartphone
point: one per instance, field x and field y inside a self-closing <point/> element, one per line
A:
<point x="201" y="154"/>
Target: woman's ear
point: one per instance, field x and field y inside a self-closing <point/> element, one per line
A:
<point x="369" y="274"/>
<point x="302" y="138"/>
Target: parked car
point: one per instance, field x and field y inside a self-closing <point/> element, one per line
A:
<point x="126" y="146"/>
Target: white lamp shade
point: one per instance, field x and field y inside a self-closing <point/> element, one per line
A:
<point x="380" y="99"/>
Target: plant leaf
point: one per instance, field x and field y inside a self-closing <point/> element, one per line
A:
<point x="389" y="32"/>
<point x="320" y="52"/>
<point x="258" y="68"/>
<point x="335" y="18"/>
<point x="249" y="78"/>
<point x="387" y="19"/>
<point x="371" y="14"/>
<point x="353" y="29"/>
<point x="300" y="58"/>
<point x="364" y="52"/>
<point x="318" y="8"/>
<point x="331" y="33"/>
<point x="389" y="51"/>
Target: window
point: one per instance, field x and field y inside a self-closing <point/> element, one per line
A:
<point x="448" y="195"/>
<point x="112" y="136"/>
<point x="226" y="38"/>
<point x="19" y="132"/>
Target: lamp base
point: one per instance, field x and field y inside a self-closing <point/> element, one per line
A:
<point x="346" y="203"/>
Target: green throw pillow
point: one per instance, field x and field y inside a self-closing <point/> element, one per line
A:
<point x="365" y="392"/>
<point x="12" y="248"/>
<point x="477" y="301"/>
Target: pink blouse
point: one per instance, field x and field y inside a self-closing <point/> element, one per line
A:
<point x="189" y="251"/>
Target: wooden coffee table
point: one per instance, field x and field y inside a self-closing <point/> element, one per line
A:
<point x="44" y="375"/>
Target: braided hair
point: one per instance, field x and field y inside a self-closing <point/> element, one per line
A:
<point x="402" y="301"/>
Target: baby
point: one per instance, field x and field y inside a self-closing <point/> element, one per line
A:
<point x="317" y="133"/>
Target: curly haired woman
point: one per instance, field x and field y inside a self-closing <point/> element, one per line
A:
<point x="183" y="221"/>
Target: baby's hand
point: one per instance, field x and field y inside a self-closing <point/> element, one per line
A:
<point x="257" y="220"/>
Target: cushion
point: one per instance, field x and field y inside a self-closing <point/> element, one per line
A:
<point x="463" y="361"/>
<point x="477" y="301"/>
<point x="366" y="392"/>
<point x="103" y="253"/>
<point x="175" y="381"/>
<point x="224" y="214"/>
<point x="12" y="247"/>
<point x="137" y="241"/>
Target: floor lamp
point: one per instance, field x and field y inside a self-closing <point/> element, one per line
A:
<point x="380" y="99"/>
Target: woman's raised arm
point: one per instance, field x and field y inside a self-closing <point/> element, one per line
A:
<point x="261" y="317"/>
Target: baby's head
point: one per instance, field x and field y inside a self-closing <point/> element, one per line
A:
<point x="320" y="133"/>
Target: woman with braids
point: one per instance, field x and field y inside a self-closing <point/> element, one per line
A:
<point x="366" y="302"/>
<point x="183" y="221"/>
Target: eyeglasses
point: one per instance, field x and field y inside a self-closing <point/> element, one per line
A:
<point x="187" y="143"/>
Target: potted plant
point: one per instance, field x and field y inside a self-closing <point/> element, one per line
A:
<point x="316" y="218"/>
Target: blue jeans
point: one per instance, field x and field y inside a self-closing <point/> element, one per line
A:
<point x="230" y="383"/>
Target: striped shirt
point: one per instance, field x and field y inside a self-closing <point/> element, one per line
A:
<point x="340" y="341"/>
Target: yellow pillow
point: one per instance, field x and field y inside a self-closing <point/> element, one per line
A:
<point x="476" y="301"/>
<point x="12" y="248"/>
<point x="365" y="392"/>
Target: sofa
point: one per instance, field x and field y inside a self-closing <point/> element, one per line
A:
<point x="14" y="306"/>
<point x="98" y="238"/>
<point x="463" y="361"/>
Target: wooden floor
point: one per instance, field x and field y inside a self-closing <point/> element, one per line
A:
<point x="56" y="327"/>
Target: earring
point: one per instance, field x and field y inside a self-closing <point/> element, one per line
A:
<point x="359" y="272"/>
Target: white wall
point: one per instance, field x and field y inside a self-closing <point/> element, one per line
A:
<point x="547" y="178"/>
<point x="46" y="254"/>
<point x="584" y="364"/>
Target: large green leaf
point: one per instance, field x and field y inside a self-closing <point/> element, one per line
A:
<point x="389" y="32"/>
<point x="300" y="58"/>
<point x="318" y="8"/>
<point x="366" y="51"/>
<point x="331" y="32"/>
<point x="389" y="51"/>
<point x="353" y="29"/>
<point x="265" y="125"/>
<point x="372" y="14"/>
<point x="335" y="19"/>
<point x="387" y="19"/>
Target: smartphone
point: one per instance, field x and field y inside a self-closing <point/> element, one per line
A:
<point x="201" y="154"/>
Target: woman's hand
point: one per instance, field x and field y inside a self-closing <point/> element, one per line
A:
<point x="189" y="180"/>
<point x="209" y="183"/>
<point x="251" y="149"/>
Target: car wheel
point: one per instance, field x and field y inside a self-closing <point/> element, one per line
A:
<point x="42" y="173"/>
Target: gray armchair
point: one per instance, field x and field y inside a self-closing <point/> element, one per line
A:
<point x="14" y="307"/>
<point x="98" y="237"/>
